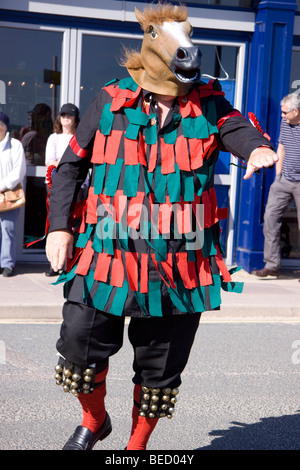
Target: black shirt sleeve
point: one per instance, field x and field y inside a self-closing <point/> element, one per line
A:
<point x="73" y="169"/>
<point x="237" y="135"/>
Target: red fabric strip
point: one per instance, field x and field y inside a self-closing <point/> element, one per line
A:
<point x="167" y="158"/>
<point x="207" y="209"/>
<point x="99" y="146"/>
<point x="187" y="270"/>
<point x="142" y="151"/>
<point x="222" y="266"/>
<point x="73" y="261"/>
<point x="209" y="145"/>
<point x="85" y="259"/>
<point x="182" y="153"/>
<point x="131" y="260"/>
<point x="119" y="204"/>
<point x="203" y="268"/>
<point x="144" y="274"/>
<point x="131" y="152"/>
<point x="152" y="158"/>
<point x="184" y="217"/>
<point x="196" y="151"/>
<point x="112" y="146"/>
<point x="214" y="206"/>
<point x="102" y="267"/>
<point x="80" y="152"/>
<point x="135" y="210"/>
<point x="117" y="270"/>
<point x="91" y="210"/>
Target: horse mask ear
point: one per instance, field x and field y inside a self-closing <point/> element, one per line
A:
<point x="139" y="16"/>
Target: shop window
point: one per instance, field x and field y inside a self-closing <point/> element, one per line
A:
<point x="30" y="62"/>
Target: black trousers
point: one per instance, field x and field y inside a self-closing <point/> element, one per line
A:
<point x="161" y="345"/>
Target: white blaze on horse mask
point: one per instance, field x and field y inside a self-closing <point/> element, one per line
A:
<point x="168" y="63"/>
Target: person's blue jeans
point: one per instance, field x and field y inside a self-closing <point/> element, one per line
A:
<point x="8" y="222"/>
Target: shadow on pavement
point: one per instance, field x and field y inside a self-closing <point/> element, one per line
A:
<point x="274" y="433"/>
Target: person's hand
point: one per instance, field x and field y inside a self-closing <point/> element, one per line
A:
<point x="259" y="158"/>
<point x="59" y="247"/>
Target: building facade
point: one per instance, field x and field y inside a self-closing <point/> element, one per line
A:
<point x="64" y="51"/>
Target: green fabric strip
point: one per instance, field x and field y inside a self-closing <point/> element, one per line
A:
<point x="83" y="237"/>
<point x="108" y="230"/>
<point x="198" y="296"/>
<point x="174" y="185"/>
<point x="148" y="177"/>
<point x="128" y="84"/>
<point x="141" y="300"/>
<point x="119" y="299"/>
<point x="236" y="287"/>
<point x="170" y="135"/>
<point x="201" y="127"/>
<point x="131" y="180"/>
<point x="66" y="277"/>
<point x="211" y="116"/>
<point x="123" y="234"/>
<point x="180" y="298"/>
<point x="202" y="175"/>
<point x="214" y="291"/>
<point x="155" y="308"/>
<point x="187" y="186"/>
<point x="99" y="177"/>
<point x="113" y="176"/>
<point x="106" y="121"/>
<point x="209" y="248"/>
<point x="102" y="295"/>
<point x="188" y="128"/>
<point x="97" y="243"/>
<point x="151" y="130"/>
<point x="160" y="185"/>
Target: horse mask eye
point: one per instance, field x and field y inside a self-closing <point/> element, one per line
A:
<point x="152" y="32"/>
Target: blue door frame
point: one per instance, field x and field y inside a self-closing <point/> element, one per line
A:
<point x="268" y="82"/>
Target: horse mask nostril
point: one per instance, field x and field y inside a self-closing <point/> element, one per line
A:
<point x="181" y="53"/>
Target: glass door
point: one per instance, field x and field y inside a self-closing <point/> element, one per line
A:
<point x="31" y="77"/>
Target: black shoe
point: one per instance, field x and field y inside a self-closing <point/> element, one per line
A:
<point x="7" y="272"/>
<point x="84" y="439"/>
<point x="51" y="273"/>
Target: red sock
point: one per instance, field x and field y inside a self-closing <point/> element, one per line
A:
<point x="93" y="407"/>
<point x="142" y="427"/>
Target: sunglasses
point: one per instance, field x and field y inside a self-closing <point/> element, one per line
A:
<point x="66" y="115"/>
<point x="286" y="112"/>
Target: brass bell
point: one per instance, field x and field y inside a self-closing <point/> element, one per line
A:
<point x="88" y="372"/>
<point x="164" y="406"/>
<point x="165" y="398"/>
<point x="67" y="373"/>
<point x="58" y="382"/>
<point x="141" y="413"/>
<point x="68" y="381"/>
<point x="169" y="416"/>
<point x="151" y="415"/>
<point x="155" y="391"/>
<point x="146" y="396"/>
<point x="66" y="388"/>
<point x="153" y="407"/>
<point x="175" y="391"/>
<point x="155" y="398"/>
<point x="145" y="389"/>
<point x="58" y="368"/>
<point x="85" y="386"/>
<point x="173" y="400"/>
<point x="76" y="377"/>
<point x="87" y="378"/>
<point x="167" y="391"/>
<point x="58" y="377"/>
<point x="74" y="385"/>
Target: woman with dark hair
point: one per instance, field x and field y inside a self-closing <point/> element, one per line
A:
<point x="64" y="127"/>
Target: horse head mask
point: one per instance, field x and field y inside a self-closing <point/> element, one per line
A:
<point x="168" y="63"/>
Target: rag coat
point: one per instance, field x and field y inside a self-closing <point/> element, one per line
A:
<point x="147" y="241"/>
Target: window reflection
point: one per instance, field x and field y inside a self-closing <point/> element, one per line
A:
<point x="29" y="98"/>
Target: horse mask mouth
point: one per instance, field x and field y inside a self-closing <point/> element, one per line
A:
<point x="186" y="64"/>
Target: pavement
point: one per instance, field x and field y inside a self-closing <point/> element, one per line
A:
<point x="30" y="296"/>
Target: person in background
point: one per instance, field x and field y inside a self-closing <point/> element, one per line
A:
<point x="286" y="185"/>
<point x="12" y="172"/>
<point x="64" y="128"/>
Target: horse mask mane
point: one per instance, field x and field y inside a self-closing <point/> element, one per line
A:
<point x="168" y="63"/>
